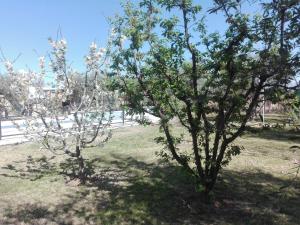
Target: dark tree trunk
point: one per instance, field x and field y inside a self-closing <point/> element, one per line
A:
<point x="82" y="171"/>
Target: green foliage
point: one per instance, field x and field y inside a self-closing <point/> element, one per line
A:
<point x="233" y="150"/>
<point x="171" y="67"/>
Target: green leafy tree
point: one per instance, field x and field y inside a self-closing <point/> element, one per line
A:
<point x="166" y="64"/>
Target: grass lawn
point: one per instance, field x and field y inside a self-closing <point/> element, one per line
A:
<point x="131" y="185"/>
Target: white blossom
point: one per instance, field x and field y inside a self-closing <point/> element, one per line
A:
<point x="58" y="121"/>
<point x="93" y="46"/>
<point x="9" y="67"/>
<point x="42" y="62"/>
<point x="92" y="60"/>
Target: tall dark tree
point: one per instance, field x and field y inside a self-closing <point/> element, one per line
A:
<point x="167" y="65"/>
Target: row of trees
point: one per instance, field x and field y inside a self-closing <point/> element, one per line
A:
<point x="164" y="62"/>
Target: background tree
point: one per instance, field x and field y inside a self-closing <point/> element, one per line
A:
<point x="170" y="67"/>
<point x="10" y="93"/>
<point x="87" y="100"/>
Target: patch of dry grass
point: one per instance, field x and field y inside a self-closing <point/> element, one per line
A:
<point x="131" y="185"/>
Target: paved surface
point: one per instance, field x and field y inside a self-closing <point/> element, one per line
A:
<point x="11" y="134"/>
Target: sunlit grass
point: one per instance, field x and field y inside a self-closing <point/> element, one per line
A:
<point x="131" y="185"/>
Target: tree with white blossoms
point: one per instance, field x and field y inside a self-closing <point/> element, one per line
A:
<point x="14" y="87"/>
<point x="87" y="118"/>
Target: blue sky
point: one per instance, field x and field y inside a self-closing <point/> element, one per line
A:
<point x="26" y="26"/>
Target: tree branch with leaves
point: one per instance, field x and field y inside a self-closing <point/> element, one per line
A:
<point x="171" y="67"/>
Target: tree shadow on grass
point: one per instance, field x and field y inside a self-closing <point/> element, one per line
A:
<point x="31" y="168"/>
<point x="134" y="192"/>
<point x="278" y="134"/>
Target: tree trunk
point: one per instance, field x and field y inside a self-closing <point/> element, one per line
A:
<point x="82" y="170"/>
<point x="207" y="185"/>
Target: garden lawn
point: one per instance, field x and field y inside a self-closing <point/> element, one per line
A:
<point x="131" y="185"/>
